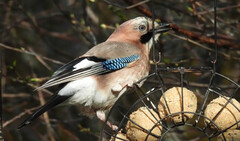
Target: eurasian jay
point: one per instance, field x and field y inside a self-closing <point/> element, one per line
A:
<point x="95" y="80"/>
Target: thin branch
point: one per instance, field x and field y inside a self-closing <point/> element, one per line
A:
<point x="15" y="95"/>
<point x="219" y="19"/>
<point x="78" y="25"/>
<point x="19" y="116"/>
<point x="195" y="11"/>
<point x="41" y="60"/>
<point x="193" y="84"/>
<point x="190" y="34"/>
<point x="205" y="47"/>
<point x="46" y="117"/>
<point x="31" y="85"/>
<point x="137" y="4"/>
<point x="30" y="53"/>
<point x="219" y="9"/>
<point x="58" y="35"/>
<point x="201" y="38"/>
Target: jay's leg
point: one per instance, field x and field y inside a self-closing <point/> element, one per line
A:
<point x="101" y="115"/>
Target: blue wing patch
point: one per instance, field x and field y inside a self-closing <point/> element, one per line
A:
<point x="118" y="63"/>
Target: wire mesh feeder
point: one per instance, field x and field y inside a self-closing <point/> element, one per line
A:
<point x="215" y="116"/>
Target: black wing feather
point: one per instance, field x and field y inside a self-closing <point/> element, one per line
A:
<point x="54" y="101"/>
<point x="69" y="66"/>
<point x="65" y="73"/>
<point x="100" y="66"/>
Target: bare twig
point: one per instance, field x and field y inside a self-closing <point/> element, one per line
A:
<point x="92" y="15"/>
<point x="45" y="115"/>
<point x="190" y="34"/>
<point x="41" y="60"/>
<point x="58" y="35"/>
<point x="137" y="4"/>
<point x="204" y="47"/>
<point x="219" y="19"/>
<point x="19" y="116"/>
<point x="15" y="95"/>
<point x="194" y="84"/>
<point x="204" y="39"/>
<point x="30" y="53"/>
<point x="22" y="19"/>
<point x="31" y="85"/>
<point x="195" y="11"/>
<point x="219" y="9"/>
<point x="78" y="25"/>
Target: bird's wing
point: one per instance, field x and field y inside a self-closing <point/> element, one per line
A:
<point x="103" y="58"/>
<point x="88" y="66"/>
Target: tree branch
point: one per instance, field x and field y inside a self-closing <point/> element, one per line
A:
<point x="30" y="53"/>
<point x="18" y="116"/>
<point x="190" y="34"/>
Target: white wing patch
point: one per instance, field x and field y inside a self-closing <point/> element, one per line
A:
<point x="84" y="64"/>
<point x="84" y="91"/>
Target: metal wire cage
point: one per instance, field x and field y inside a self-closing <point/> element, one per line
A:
<point x="199" y="126"/>
<point x="195" y="128"/>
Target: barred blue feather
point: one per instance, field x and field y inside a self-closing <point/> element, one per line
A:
<point x="119" y="63"/>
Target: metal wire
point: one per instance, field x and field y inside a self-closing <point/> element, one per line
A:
<point x="215" y="36"/>
<point x="1" y="104"/>
<point x="153" y="38"/>
<point x="214" y="89"/>
<point x="198" y="115"/>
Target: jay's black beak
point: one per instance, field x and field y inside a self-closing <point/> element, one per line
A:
<point x="163" y="27"/>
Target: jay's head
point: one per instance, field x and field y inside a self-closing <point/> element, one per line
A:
<point x="139" y="31"/>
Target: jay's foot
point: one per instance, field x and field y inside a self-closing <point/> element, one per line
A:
<point x="101" y="115"/>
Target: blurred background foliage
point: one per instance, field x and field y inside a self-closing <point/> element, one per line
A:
<point x="37" y="37"/>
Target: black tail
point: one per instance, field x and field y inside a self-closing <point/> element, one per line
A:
<point x="55" y="100"/>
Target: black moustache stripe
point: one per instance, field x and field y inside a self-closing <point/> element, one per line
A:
<point x="146" y="37"/>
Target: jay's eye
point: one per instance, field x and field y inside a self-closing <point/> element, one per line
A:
<point x="142" y="27"/>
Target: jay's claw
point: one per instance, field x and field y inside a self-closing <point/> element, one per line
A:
<point x="113" y="127"/>
<point x="101" y="115"/>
